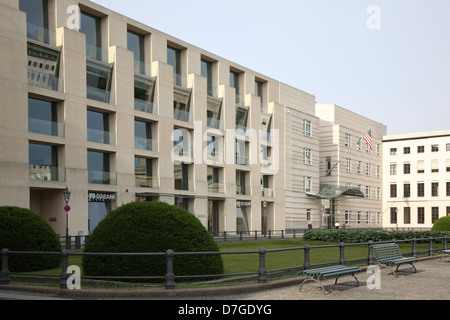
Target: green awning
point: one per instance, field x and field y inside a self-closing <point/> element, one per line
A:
<point x="333" y="192"/>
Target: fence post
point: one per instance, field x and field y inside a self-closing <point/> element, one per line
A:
<point x="342" y="253"/>
<point x="282" y="234"/>
<point x="307" y="264"/>
<point x="224" y="236"/>
<point x="430" y="247"/>
<point x="64" y="265"/>
<point x="170" y="276"/>
<point x="370" y="256"/>
<point x="262" y="273"/>
<point x="4" y="274"/>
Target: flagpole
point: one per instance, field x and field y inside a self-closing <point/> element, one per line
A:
<point x="348" y="150"/>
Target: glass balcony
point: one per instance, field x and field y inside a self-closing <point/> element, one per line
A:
<point x="242" y="160"/>
<point x="44" y="81"/>
<point x="242" y="190"/>
<point x="216" y="187"/>
<point x="101" y="177"/>
<point x="50" y="128"/>
<point x="182" y="115"/>
<point x="267" y="192"/>
<point x="100" y="136"/>
<point x="145" y="106"/>
<point x="145" y="144"/>
<point x="215" y="123"/>
<point x="179" y="80"/>
<point x="47" y="173"/>
<point x="97" y="53"/>
<point x="147" y="182"/>
<point x="98" y="79"/>
<point x="41" y="34"/>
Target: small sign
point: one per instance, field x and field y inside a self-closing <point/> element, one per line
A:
<point x="67" y="209"/>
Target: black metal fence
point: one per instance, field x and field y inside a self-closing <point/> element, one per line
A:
<point x="261" y="275"/>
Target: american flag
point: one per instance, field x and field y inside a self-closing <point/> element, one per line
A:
<point x="368" y="138"/>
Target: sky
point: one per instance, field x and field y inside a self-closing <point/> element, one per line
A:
<point x="388" y="60"/>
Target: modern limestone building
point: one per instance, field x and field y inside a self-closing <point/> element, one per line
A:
<point x="351" y="171"/>
<point x="417" y="179"/>
<point x="117" y="111"/>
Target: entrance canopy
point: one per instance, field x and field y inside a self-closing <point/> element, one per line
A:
<point x="333" y="192"/>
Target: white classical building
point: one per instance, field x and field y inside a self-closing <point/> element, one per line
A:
<point x="416" y="184"/>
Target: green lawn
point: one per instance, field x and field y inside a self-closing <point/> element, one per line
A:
<point x="249" y="262"/>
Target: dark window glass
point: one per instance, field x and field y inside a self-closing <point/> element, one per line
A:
<point x="136" y="44"/>
<point x="98" y="127"/>
<point x="207" y="73"/>
<point x="98" y="79"/>
<point x="174" y="59"/>
<point x="44" y="160"/>
<point x="42" y="117"/>
<point x="143" y="135"/>
<point x="91" y="27"/>
<point x="181" y="176"/>
<point x="98" y="167"/>
<point x="37" y="19"/>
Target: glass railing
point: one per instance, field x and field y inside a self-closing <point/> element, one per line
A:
<point x="242" y="190"/>
<point x="145" y="106"/>
<point x="216" y="188"/>
<point x="242" y="160"/>
<point x="97" y="53"/>
<point x="47" y="173"/>
<point x="182" y="115"/>
<point x="145" y="144"/>
<point x="179" y="80"/>
<point x="102" y="177"/>
<point x="50" y="128"/>
<point x="267" y="192"/>
<point x="100" y="94"/>
<point x="44" y="81"/>
<point x="181" y="184"/>
<point x="100" y="136"/>
<point x="215" y="123"/>
<point x="147" y="182"/>
<point x="41" y="34"/>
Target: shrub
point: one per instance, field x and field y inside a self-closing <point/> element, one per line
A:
<point x="150" y="227"/>
<point x="23" y="230"/>
<point x="442" y="224"/>
<point x="354" y="236"/>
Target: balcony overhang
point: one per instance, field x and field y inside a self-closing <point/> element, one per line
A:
<point x="333" y="192"/>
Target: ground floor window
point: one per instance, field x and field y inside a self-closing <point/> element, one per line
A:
<point x="100" y="204"/>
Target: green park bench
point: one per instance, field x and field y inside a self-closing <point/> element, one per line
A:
<point x="326" y="272"/>
<point x="445" y="253"/>
<point x="389" y="255"/>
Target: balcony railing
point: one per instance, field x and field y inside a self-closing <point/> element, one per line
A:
<point x="102" y="177"/>
<point x="147" y="182"/>
<point x="216" y="187"/>
<point x="50" y="128"/>
<point x="44" y="81"/>
<point x="47" y="173"/>
<point x="182" y="115"/>
<point x="100" y="136"/>
<point x="145" y="144"/>
<point x="145" y="106"/>
<point x="242" y="190"/>
<point x="267" y="192"/>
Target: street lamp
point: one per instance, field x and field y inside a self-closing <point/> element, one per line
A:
<point x="67" y="194"/>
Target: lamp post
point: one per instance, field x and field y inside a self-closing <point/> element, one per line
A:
<point x="67" y="209"/>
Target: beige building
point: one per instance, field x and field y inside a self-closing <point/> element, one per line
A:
<point x="350" y="170"/>
<point x="119" y="112"/>
<point x="417" y="179"/>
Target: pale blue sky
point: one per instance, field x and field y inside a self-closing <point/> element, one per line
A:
<point x="398" y="75"/>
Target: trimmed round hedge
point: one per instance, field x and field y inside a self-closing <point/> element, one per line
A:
<point x="24" y="230"/>
<point x="442" y="224"/>
<point x="155" y="227"/>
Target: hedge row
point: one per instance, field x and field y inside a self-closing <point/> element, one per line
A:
<point x="353" y="236"/>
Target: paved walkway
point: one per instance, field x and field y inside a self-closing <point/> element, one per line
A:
<point x="431" y="282"/>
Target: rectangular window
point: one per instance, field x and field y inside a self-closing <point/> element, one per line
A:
<point x="174" y="59"/>
<point x="406" y="168"/>
<point x="307" y="156"/>
<point x="393" y="215"/>
<point x="259" y="92"/>
<point x="136" y="44"/>
<point x="37" y="19"/>
<point x="358" y="217"/>
<point x="348" y="217"/>
<point x="99" y="168"/>
<point x="348" y="140"/>
<point x="393" y="168"/>
<point x="421" y="189"/>
<point x="420" y="149"/>
<point x="43" y="161"/>
<point x="181" y="176"/>
<point x="368" y="169"/>
<point x="407" y="215"/>
<point x="448" y="189"/>
<point x="307" y="128"/>
<point x="406" y="190"/>
<point x="420" y="215"/>
<point x="143" y="136"/>
<point x="144" y="92"/>
<point x="98" y="127"/>
<point x="358" y="167"/>
<point x="434" y="214"/>
<point x="98" y="80"/>
<point x="435" y="189"/>
<point x="234" y="82"/>
<point x="393" y="191"/>
<point x="420" y="167"/>
<point x="434" y="148"/>
<point x="206" y="72"/>
<point x="348" y="165"/>
<point x="91" y="27"/>
<point x="393" y="151"/>
<point x="447" y="165"/>
<point x="214" y="183"/>
<point x="435" y="166"/>
<point x="307" y="183"/>
<point x="143" y="170"/>
<point x="368" y="217"/>
<point x="43" y="117"/>
<point x="407" y="150"/>
<point x="368" y="192"/>
<point x="241" y="182"/>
